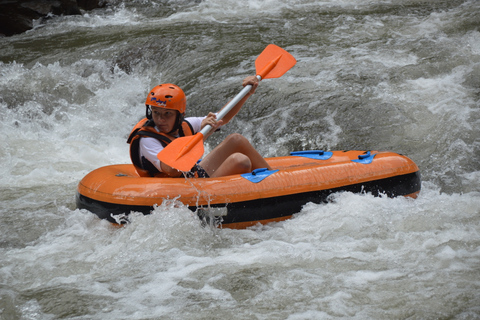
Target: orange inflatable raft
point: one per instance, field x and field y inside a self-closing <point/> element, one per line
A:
<point x="263" y="196"/>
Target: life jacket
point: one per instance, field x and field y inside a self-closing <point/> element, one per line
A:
<point x="146" y="128"/>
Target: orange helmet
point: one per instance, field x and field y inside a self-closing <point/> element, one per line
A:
<point x="168" y="96"/>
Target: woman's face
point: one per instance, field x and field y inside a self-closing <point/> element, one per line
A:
<point x="164" y="118"/>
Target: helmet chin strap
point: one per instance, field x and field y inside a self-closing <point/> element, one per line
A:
<point x="148" y="112"/>
<point x="178" y="122"/>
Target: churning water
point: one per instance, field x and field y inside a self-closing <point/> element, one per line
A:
<point x="400" y="75"/>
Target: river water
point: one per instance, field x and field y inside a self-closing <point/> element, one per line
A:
<point x="399" y="75"/>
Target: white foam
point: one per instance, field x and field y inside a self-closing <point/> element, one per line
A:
<point x="45" y="137"/>
<point x="355" y="257"/>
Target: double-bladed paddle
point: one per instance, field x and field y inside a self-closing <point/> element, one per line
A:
<point x="182" y="153"/>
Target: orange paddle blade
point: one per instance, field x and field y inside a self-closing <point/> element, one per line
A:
<point x="282" y="62"/>
<point x="183" y="153"/>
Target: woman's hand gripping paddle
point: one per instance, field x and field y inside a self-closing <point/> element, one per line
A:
<point x="182" y="153"/>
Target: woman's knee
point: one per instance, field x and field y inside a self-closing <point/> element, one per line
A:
<point x="236" y="138"/>
<point x="241" y="162"/>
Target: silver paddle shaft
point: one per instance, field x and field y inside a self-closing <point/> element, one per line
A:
<point x="230" y="106"/>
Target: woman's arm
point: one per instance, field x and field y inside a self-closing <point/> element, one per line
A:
<point x="149" y="148"/>
<point x="252" y="80"/>
<point x="171" y="172"/>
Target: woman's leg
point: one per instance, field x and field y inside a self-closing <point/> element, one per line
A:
<point x="236" y="163"/>
<point x="234" y="155"/>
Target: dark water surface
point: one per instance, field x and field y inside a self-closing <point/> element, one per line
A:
<point x="401" y="76"/>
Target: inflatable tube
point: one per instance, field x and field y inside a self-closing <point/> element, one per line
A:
<point x="263" y="196"/>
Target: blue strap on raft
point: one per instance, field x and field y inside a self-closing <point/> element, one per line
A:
<point x="258" y="175"/>
<point x="313" y="154"/>
<point x="365" y="158"/>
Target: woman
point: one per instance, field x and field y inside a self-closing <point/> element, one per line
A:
<point x="166" y="105"/>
